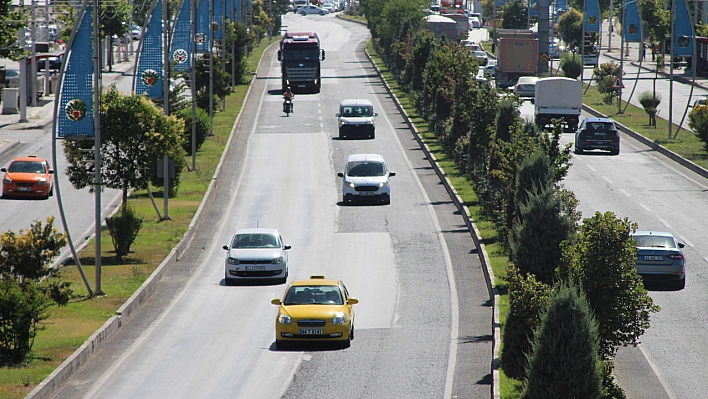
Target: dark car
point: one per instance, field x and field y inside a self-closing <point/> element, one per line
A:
<point x="55" y="61"/>
<point x="597" y="134"/>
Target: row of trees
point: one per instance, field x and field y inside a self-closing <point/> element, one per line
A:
<point x="574" y="294"/>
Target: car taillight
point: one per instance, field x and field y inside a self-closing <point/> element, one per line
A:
<point x="677" y="257"/>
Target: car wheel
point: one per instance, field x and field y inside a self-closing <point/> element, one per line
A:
<point x="578" y="150"/>
<point x="227" y="281"/>
<point x="387" y="201"/>
<point x="51" y="191"/>
<point x="615" y="152"/>
<point x="680" y="284"/>
<point x="280" y="344"/>
<point x="351" y="333"/>
<point x="321" y="13"/>
<point x="347" y="343"/>
<point x="303" y="14"/>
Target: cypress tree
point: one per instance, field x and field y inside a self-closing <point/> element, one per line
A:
<point x="564" y="363"/>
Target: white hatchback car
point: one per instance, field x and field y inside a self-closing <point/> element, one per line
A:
<point x="366" y="179"/>
<point x="310" y="9"/>
<point x="254" y="254"/>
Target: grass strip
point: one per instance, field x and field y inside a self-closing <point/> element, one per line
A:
<point x="69" y="326"/>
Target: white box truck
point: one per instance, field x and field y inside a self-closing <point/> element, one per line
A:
<point x="558" y="98"/>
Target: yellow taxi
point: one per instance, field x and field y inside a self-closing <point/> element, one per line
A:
<point x="28" y="176"/>
<point x="317" y="309"/>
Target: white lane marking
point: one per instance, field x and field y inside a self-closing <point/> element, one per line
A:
<point x="705" y="259"/>
<point x="319" y="111"/>
<point x="625" y="192"/>
<point x="607" y="180"/>
<point x="320" y="118"/>
<point x="591" y="168"/>
<point x="454" y="306"/>
<point x="664" y="223"/>
<point x="321" y="126"/>
<point x="646" y="208"/>
<point x="685" y="241"/>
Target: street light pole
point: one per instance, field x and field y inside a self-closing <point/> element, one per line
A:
<point x="97" y="141"/>
<point x="619" y="97"/>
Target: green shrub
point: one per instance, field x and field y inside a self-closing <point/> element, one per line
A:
<point x="650" y="101"/>
<point x="203" y="128"/>
<point x="698" y="122"/>
<point x="22" y="308"/>
<point x="571" y="65"/>
<point x="124" y="228"/>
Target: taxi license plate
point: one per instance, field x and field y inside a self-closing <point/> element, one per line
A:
<point x="650" y="257"/>
<point x="310" y="331"/>
<point x="255" y="268"/>
<point x="24" y="188"/>
<point x="367" y="193"/>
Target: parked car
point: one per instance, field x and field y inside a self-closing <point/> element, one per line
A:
<point x="597" y="134"/>
<point x="481" y="57"/>
<point x="366" y="178"/>
<point x="12" y="77"/>
<point x="310" y="9"/>
<point x="475" y="23"/>
<point x="254" y="254"/>
<point x="329" y="7"/>
<point x="525" y="87"/>
<point x="659" y="256"/>
<point x="699" y="101"/>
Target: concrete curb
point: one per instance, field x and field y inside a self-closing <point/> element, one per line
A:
<point x="469" y="222"/>
<point x="94" y="342"/>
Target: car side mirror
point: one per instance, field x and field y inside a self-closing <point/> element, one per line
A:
<point x="287" y="247"/>
<point x="352" y="301"/>
<point x="280" y="55"/>
<point x="376" y="114"/>
<point x="275" y="301"/>
<point x="337" y="114"/>
<point x="323" y="54"/>
<point x="51" y="171"/>
<point x="226" y="247"/>
<point x="681" y="245"/>
<point x="391" y="174"/>
<point x="340" y="174"/>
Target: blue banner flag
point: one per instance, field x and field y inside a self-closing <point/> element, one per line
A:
<point x="684" y="38"/>
<point x="533" y="8"/>
<point x="592" y="16"/>
<point x="501" y="3"/>
<point x="218" y="25"/>
<point x="202" y="38"/>
<point x="181" y="40"/>
<point x="148" y="74"/>
<point x="75" y="112"/>
<point x="632" y="29"/>
<point x="561" y="8"/>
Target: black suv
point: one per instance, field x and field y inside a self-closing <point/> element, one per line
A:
<point x="597" y="134"/>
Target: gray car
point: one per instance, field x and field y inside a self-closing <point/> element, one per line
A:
<point x="659" y="257"/>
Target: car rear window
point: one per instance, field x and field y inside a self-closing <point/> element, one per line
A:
<point x="600" y="126"/>
<point x="655" y="241"/>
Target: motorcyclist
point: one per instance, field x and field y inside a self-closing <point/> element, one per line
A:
<point x="288" y="95"/>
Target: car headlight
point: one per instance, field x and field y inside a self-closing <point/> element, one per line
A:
<point x="339" y="318"/>
<point x="7" y="180"/>
<point x="284" y="319"/>
<point x="350" y="184"/>
<point x="383" y="183"/>
<point x="343" y="123"/>
<point x="370" y="122"/>
<point x="42" y="181"/>
<point x="233" y="261"/>
<point x="278" y="260"/>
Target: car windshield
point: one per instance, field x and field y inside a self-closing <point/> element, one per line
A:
<point x="366" y="169"/>
<point x="600" y="126"/>
<point x="314" y="294"/>
<point x="255" y="240"/>
<point x="12" y="73"/>
<point x="349" y="111"/>
<point x="655" y="241"/>
<point x="27" y="167"/>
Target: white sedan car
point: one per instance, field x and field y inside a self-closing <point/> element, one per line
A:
<point x="255" y="254"/>
<point x="306" y="10"/>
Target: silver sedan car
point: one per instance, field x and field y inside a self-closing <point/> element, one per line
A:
<point x="659" y="257"/>
<point x="526" y="86"/>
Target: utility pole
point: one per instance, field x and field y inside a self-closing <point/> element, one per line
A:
<point x="193" y="66"/>
<point x="211" y="63"/>
<point x="33" y="54"/>
<point x="97" y="141"/>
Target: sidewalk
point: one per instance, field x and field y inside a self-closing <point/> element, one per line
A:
<point x="42" y="115"/>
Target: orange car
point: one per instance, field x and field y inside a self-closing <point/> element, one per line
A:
<point x="28" y="177"/>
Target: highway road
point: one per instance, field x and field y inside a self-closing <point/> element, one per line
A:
<point x="424" y="320"/>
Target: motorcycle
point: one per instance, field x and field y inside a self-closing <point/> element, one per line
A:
<point x="288" y="106"/>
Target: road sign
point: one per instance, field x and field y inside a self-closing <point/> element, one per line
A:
<point x="617" y="83"/>
<point x="544" y="57"/>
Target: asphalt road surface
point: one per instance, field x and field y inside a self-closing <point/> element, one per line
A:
<point x="424" y="320"/>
